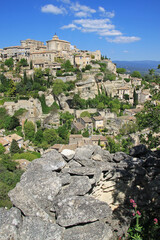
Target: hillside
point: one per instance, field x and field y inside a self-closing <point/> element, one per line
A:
<point x="141" y="66"/>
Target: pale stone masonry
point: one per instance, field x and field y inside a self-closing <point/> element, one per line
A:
<point x="46" y="55"/>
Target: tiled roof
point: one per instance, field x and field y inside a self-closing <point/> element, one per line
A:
<point x="86" y="119"/>
<point x="98" y="118"/>
<point x="98" y="137"/>
<point x="75" y="136"/>
<point x="78" y="125"/>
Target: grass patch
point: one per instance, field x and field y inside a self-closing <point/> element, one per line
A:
<point x="30" y="156"/>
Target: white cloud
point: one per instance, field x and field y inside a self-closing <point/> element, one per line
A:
<point x="72" y="26"/>
<point x="95" y="23"/>
<point x="104" y="13"/>
<point x="50" y="8"/>
<point x="123" y="39"/>
<point x="126" y="51"/>
<point x="76" y="7"/>
<point x="82" y="14"/>
<point x="110" y="33"/>
<point x="101" y="9"/>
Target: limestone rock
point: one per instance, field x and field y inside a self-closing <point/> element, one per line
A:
<point x="10" y="221"/>
<point x="92" y="231"/>
<point x="68" y="154"/>
<point x="138" y="150"/>
<point x="51" y="161"/>
<point x="35" y="192"/>
<point x="77" y="210"/>
<point x="34" y="228"/>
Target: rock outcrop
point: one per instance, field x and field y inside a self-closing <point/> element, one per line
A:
<point x="81" y="195"/>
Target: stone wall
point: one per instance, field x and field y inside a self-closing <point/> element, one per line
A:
<point x="82" y="194"/>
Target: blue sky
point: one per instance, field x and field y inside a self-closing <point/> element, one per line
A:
<point x="121" y="29"/>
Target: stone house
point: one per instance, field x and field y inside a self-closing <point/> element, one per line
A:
<point x="122" y="91"/>
<point x="75" y="138"/>
<point x="136" y="81"/>
<point x="98" y="122"/>
<point x="96" y="139"/>
<point x="7" y="140"/>
<point x="77" y="126"/>
<point x="82" y="58"/>
<point x="87" y="123"/>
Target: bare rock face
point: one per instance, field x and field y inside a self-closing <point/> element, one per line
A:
<point x="81" y="195"/>
<point x="10" y="221"/>
<point x="83" y="209"/>
<point x="94" y="231"/>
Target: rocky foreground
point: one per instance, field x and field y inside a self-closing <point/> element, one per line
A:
<point x="81" y="195"/>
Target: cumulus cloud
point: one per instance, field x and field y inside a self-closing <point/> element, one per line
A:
<point x="82" y="14"/>
<point x="50" y="8"/>
<point x="101" y="27"/>
<point x="110" y="33"/>
<point x="104" y="13"/>
<point x="81" y="10"/>
<point x="71" y="26"/>
<point x="94" y="23"/>
<point x="123" y="39"/>
<point x="84" y="22"/>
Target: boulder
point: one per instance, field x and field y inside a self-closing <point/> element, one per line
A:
<point x="68" y="154"/>
<point x="10" y="221"/>
<point x="81" y="209"/>
<point x="92" y="231"/>
<point x="138" y="151"/>
<point x="34" y="228"/>
<point x="35" y="192"/>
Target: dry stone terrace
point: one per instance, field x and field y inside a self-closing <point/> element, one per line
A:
<point x="81" y="195"/>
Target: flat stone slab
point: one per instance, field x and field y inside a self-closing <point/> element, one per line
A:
<point x="10" y="221"/>
<point x="92" y="231"/>
<point x="34" y="228"/>
<point x="77" y="210"/>
<point x="35" y="192"/>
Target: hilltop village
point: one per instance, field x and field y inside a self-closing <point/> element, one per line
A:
<point x="56" y="96"/>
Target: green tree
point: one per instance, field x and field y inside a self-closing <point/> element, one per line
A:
<point x="85" y="133"/>
<point x="47" y="73"/>
<point x="39" y="136"/>
<point x="29" y="130"/>
<point x="11" y="122"/>
<point x="66" y="118"/>
<point x="151" y="71"/>
<point x="136" y="74"/>
<point x="85" y="114"/>
<point x="58" y="88"/>
<point x="112" y="146"/>
<point x="31" y="64"/>
<point x="121" y="70"/>
<point x="9" y="63"/>
<point x="67" y="66"/>
<point x="135" y="98"/>
<point x="25" y="79"/>
<point x="63" y="132"/>
<point x="14" y="148"/>
<point x="2" y="149"/>
<point x="23" y="62"/>
<point x="149" y="117"/>
<point x="50" y="136"/>
<point x="100" y="106"/>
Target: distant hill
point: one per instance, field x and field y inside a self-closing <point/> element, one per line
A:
<point x="141" y="66"/>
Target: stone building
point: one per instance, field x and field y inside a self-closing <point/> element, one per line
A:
<point x="58" y="45"/>
<point x="98" y="122"/>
